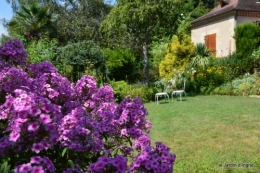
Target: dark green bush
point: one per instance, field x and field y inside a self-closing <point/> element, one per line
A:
<point x="121" y="89"/>
<point x="120" y="64"/>
<point x="247" y="40"/>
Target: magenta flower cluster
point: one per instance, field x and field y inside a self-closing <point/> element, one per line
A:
<point x="12" y="52"/>
<point x="37" y="164"/>
<point x="152" y="159"/>
<point x="51" y="125"/>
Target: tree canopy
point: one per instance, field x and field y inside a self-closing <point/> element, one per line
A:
<point x="131" y="25"/>
<point x="33" y="22"/>
<point x="136" y="22"/>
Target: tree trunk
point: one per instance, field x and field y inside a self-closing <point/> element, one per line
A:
<point x="146" y="65"/>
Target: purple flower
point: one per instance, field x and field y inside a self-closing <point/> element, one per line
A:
<point x="12" y="52"/>
<point x="45" y="118"/>
<point x="39" y="69"/>
<point x="37" y="147"/>
<point x="155" y="159"/>
<point x="36" y="160"/>
<point x="37" y="165"/>
<point x="119" y="163"/>
<point x="33" y="126"/>
<point x="85" y="87"/>
<point x="24" y="168"/>
<point x="35" y="111"/>
<point x="123" y="132"/>
<point x="48" y="165"/>
<point x="14" y="136"/>
<point x="37" y="169"/>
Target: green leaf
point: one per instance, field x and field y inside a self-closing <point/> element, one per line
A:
<point x="130" y="142"/>
<point x="8" y="168"/>
<point x="71" y="164"/>
<point x="5" y="167"/>
<point x="64" y="151"/>
<point x="2" y="168"/>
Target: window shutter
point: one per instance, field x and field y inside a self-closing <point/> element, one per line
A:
<point x="210" y="42"/>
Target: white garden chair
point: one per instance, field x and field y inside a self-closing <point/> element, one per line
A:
<point x="179" y="92"/>
<point x="163" y="93"/>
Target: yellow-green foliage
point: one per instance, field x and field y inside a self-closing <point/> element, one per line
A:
<point x="179" y="53"/>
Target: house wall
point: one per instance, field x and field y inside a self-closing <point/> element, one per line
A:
<point x="224" y="30"/>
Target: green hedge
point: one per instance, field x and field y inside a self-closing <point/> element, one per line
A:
<point x="122" y="89"/>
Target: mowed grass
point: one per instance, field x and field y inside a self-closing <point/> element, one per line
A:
<point x="205" y="131"/>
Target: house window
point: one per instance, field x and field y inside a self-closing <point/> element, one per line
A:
<point x="210" y="42"/>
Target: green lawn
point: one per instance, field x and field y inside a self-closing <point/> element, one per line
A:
<point x="205" y="131"/>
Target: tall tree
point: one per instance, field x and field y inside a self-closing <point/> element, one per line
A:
<point x="135" y="22"/>
<point x="16" y="4"/>
<point x="76" y="20"/>
<point x="82" y="55"/>
<point x="80" y="20"/>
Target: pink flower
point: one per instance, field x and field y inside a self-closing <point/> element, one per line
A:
<point x="14" y="136"/>
<point x="25" y="168"/>
<point x="21" y="120"/>
<point x="123" y="132"/>
<point x="37" y="169"/>
<point x="46" y="108"/>
<point x="45" y="118"/>
<point x="33" y="126"/>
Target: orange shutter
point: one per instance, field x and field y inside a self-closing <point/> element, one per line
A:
<point x="210" y="42"/>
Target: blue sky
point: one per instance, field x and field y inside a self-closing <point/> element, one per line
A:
<point x="5" y="12"/>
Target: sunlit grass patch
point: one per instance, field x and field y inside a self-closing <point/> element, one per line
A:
<point x="205" y="131"/>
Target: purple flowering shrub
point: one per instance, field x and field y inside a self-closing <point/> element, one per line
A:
<point x="12" y="52"/>
<point x="48" y="124"/>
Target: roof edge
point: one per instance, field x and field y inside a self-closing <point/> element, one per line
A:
<point x="195" y="24"/>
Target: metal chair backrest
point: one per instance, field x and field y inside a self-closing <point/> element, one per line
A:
<point x="182" y="84"/>
<point x="162" y="86"/>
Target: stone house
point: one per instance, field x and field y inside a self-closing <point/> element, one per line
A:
<point x="216" y="28"/>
